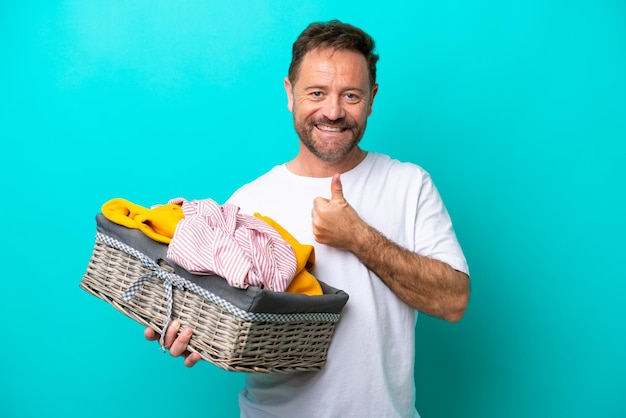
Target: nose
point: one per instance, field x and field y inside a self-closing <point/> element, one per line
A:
<point x="333" y="108"/>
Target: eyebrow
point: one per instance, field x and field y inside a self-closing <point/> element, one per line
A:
<point x="321" y="87"/>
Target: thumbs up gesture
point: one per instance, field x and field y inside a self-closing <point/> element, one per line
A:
<point x="335" y="222"/>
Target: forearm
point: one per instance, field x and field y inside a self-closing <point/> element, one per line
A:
<point x="428" y="285"/>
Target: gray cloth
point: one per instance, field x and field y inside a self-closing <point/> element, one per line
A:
<point x="252" y="299"/>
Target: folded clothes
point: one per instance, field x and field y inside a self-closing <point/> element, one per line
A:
<point x="159" y="223"/>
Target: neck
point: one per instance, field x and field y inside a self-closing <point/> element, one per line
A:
<point x="308" y="165"/>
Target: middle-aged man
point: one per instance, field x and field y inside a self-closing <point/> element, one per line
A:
<point x="381" y="233"/>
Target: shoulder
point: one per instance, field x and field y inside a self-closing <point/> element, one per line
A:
<point x="265" y="179"/>
<point x="250" y="193"/>
<point x="383" y="164"/>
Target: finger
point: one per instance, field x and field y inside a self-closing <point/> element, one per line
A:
<point x="179" y="346"/>
<point x="150" y="334"/>
<point x="319" y="201"/>
<point x="336" y="188"/>
<point x="192" y="359"/>
<point x="171" y="333"/>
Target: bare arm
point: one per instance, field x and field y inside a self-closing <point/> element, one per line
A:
<point x="428" y="285"/>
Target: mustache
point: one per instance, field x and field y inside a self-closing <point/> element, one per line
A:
<point x="335" y="123"/>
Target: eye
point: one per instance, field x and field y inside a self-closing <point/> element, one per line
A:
<point x="352" y="97"/>
<point x="317" y="94"/>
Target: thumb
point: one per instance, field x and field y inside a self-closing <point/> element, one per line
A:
<point x="336" y="188"/>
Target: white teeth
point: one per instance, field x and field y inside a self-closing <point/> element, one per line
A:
<point x="329" y="128"/>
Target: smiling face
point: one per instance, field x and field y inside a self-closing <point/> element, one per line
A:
<point x="330" y="101"/>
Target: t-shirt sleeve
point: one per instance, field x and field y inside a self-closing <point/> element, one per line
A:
<point x="434" y="233"/>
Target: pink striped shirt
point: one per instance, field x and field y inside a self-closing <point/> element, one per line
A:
<point x="246" y="251"/>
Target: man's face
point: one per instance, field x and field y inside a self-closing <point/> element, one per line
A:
<point x="330" y="101"/>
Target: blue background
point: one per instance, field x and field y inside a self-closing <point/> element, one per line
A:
<point x="517" y="108"/>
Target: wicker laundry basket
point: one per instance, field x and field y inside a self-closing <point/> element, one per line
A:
<point x="251" y="330"/>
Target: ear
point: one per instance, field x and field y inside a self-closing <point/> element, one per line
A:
<point x="374" y="91"/>
<point x="289" y="91"/>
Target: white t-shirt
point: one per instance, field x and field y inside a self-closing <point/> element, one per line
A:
<point x="369" y="368"/>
